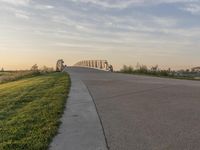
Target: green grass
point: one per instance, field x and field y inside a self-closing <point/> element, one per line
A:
<point x="30" y="110"/>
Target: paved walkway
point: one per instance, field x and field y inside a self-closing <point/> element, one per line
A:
<point x="81" y="128"/>
<point x="144" y="113"/>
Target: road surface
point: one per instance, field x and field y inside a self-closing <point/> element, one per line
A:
<point x="145" y="113"/>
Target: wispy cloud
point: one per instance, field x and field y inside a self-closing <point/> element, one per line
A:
<point x="21" y="15"/>
<point x="44" y="7"/>
<point x="16" y="2"/>
<point x="193" y="8"/>
<point x="127" y="3"/>
<point x="109" y="3"/>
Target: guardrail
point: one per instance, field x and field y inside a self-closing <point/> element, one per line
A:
<point x="97" y="64"/>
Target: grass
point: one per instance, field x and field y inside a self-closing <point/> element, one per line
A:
<point x="9" y="76"/>
<point x="30" y="110"/>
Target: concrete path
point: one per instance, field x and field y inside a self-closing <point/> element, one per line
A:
<point x="142" y="113"/>
<point x="81" y="128"/>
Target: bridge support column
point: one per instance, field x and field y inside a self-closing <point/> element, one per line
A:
<point x="95" y="62"/>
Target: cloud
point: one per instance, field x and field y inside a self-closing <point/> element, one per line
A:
<point x="44" y="7"/>
<point x="164" y="22"/>
<point x="122" y="4"/>
<point x="75" y="45"/>
<point x="16" y="2"/>
<point x="172" y="1"/>
<point x="193" y="9"/>
<point x="21" y="15"/>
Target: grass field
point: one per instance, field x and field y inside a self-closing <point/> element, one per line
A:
<point x="8" y="76"/>
<point x="30" y="109"/>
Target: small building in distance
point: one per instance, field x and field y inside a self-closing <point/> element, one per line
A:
<point x="60" y="65"/>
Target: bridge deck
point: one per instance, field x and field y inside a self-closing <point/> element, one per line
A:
<point x="140" y="112"/>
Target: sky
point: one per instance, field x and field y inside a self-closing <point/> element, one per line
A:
<point x="124" y="32"/>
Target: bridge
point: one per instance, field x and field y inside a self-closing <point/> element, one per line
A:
<point x="97" y="64"/>
<point x="124" y="112"/>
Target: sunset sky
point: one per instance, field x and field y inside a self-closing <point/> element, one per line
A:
<point x="163" y="32"/>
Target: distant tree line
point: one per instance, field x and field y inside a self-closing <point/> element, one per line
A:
<point x="156" y="71"/>
<point x="143" y="69"/>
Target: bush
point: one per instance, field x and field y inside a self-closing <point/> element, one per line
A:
<point x="164" y="73"/>
<point x="127" y="69"/>
<point x="143" y="69"/>
<point x="46" y="69"/>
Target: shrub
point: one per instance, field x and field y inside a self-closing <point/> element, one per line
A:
<point x="46" y="69"/>
<point x="127" y="69"/>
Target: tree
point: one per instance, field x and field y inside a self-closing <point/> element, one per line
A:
<point x="187" y="70"/>
<point x="143" y="69"/>
<point x="34" y="68"/>
<point x="137" y="66"/>
<point x="127" y="69"/>
<point x="154" y="68"/>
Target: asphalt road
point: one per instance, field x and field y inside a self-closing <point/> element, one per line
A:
<point x="145" y="113"/>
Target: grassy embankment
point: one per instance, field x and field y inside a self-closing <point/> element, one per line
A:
<point x="30" y="109"/>
<point x="8" y="76"/>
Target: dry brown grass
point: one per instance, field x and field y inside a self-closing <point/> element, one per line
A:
<point x="14" y="75"/>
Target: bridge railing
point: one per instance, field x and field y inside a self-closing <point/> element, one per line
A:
<point x="97" y="64"/>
